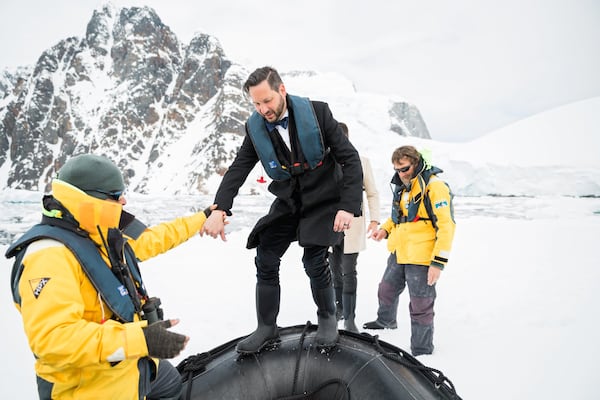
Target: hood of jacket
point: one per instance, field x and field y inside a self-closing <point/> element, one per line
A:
<point x="93" y="215"/>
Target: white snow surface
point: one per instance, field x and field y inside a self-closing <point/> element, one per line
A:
<point x="516" y="303"/>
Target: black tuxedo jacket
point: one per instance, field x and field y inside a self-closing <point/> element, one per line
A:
<point x="314" y="196"/>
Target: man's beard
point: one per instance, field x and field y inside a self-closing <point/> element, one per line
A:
<point x="280" y="109"/>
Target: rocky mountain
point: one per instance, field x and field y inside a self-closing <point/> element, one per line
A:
<point x="171" y="115"/>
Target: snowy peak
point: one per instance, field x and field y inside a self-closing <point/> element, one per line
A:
<point x="171" y="115"/>
<point x="554" y="153"/>
<point x="569" y="134"/>
<point x="128" y="90"/>
<point x="99" y="31"/>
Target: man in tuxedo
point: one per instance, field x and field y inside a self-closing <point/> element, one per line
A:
<point x="317" y="180"/>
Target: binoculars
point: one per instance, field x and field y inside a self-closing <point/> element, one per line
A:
<point x="151" y="310"/>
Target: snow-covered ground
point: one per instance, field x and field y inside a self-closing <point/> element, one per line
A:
<point x="514" y="315"/>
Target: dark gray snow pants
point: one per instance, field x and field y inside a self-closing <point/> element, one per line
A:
<point x="422" y="298"/>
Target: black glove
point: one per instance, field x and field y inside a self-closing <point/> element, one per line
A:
<point x="160" y="342"/>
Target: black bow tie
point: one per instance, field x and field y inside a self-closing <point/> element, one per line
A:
<point x="283" y="122"/>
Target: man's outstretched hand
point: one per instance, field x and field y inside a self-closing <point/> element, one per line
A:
<point x="214" y="225"/>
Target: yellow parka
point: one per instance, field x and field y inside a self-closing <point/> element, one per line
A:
<point x="419" y="242"/>
<point x="78" y="348"/>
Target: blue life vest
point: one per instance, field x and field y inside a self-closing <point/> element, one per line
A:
<point x="309" y="138"/>
<point x="96" y="269"/>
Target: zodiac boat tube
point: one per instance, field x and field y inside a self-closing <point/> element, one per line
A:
<point x="359" y="367"/>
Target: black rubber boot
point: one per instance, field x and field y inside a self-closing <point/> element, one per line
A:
<point x="379" y="325"/>
<point x="349" y="300"/>
<point x="327" y="333"/>
<point x="267" y="309"/>
<point x="339" y="308"/>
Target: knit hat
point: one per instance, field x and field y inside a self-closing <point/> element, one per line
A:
<point x="96" y="175"/>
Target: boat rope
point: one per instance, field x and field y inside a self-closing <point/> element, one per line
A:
<point x="196" y="364"/>
<point x="297" y="370"/>
<point x="191" y="365"/>
<point x="439" y="379"/>
<point x="299" y="356"/>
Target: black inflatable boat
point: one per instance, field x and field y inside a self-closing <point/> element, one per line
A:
<point x="360" y="367"/>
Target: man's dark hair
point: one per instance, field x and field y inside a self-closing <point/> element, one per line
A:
<point x="409" y="152"/>
<point x="269" y="74"/>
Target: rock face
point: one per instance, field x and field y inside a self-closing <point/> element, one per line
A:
<point x="170" y="115"/>
<point x="407" y="121"/>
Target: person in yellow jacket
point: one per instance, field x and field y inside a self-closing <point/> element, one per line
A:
<point x="419" y="237"/>
<point x="84" y="350"/>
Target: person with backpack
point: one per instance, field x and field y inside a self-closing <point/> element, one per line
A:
<point x="419" y="236"/>
<point x="92" y="326"/>
<point x="317" y="183"/>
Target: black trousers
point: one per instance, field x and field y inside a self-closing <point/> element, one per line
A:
<point x="274" y="241"/>
<point x="165" y="385"/>
<point x="343" y="268"/>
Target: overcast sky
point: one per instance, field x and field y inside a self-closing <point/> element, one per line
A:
<point x="470" y="66"/>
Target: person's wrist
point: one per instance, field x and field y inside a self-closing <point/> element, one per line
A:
<point x="217" y="212"/>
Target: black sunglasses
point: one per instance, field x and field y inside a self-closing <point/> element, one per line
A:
<point x="116" y="195"/>
<point x="403" y="169"/>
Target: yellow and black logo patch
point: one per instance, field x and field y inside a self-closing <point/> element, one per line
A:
<point x="37" y="285"/>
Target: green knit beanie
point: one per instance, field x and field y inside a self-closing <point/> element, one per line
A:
<point x="95" y="175"/>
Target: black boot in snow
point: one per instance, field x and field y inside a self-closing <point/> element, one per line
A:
<point x="267" y="309"/>
<point x="349" y="301"/>
<point x="327" y="333"/>
<point x="379" y="325"/>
